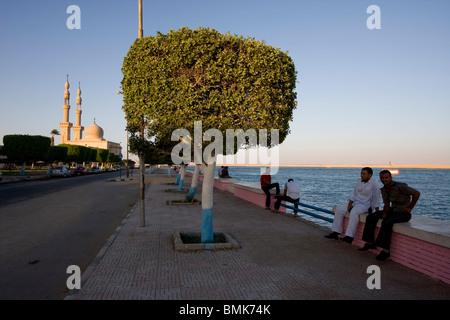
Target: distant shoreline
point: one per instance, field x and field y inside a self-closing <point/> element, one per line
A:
<point x="384" y="166"/>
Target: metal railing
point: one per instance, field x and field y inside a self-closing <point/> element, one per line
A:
<point x="315" y="215"/>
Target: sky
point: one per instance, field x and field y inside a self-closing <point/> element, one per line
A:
<point x="365" y="96"/>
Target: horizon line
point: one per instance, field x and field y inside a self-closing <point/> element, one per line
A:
<point x="387" y="166"/>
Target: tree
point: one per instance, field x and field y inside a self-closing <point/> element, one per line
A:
<point x="222" y="81"/>
<point x="53" y="133"/>
<point x="102" y="155"/>
<point x="23" y="148"/>
<point x="57" y="153"/>
<point x="113" y="158"/>
<point x="78" y="154"/>
<point x="91" y="155"/>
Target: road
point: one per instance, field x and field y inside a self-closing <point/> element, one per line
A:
<point x="48" y="225"/>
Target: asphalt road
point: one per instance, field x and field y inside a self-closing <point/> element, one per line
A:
<point x="48" y="225"/>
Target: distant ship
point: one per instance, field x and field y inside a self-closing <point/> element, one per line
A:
<point x="394" y="172"/>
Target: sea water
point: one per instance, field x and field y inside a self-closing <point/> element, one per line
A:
<point x="330" y="187"/>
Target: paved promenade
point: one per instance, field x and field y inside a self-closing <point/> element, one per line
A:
<point x="281" y="258"/>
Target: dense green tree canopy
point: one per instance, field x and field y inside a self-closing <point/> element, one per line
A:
<point x="77" y="153"/>
<point x="57" y="153"/>
<point x="23" y="147"/>
<point x="225" y="81"/>
<point x="102" y="155"/>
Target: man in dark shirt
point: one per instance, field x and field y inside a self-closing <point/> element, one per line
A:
<point x="399" y="199"/>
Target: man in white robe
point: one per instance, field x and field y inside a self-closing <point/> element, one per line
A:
<point x="365" y="197"/>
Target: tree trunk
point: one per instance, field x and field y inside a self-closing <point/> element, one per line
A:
<point x="22" y="172"/>
<point x="182" y="174"/>
<point x="207" y="202"/>
<point x="194" y="184"/>
<point x="142" y="188"/>
<point x="177" y="181"/>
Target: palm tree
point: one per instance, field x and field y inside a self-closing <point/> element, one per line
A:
<point x="53" y="133"/>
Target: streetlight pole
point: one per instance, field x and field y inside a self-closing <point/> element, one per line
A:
<point x="141" y="31"/>
<point x="141" y="156"/>
<point x="128" y="161"/>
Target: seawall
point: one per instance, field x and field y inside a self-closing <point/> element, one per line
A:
<point x="422" y="244"/>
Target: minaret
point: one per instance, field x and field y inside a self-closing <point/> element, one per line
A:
<point x="66" y="125"/>
<point x="78" y="129"/>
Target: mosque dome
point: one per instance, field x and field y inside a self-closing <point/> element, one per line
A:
<point x="94" y="132"/>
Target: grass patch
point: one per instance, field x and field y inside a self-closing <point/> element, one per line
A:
<point x="14" y="173"/>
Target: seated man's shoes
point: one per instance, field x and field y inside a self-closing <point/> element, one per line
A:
<point x="347" y="239"/>
<point x="383" y="256"/>
<point x="333" y="235"/>
<point x="367" y="246"/>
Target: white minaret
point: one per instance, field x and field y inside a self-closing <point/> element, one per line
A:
<point x="66" y="125"/>
<point x="78" y="129"/>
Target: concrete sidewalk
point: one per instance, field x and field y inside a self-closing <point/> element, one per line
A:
<point x="281" y="258"/>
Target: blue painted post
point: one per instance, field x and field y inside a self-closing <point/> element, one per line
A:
<point x="182" y="174"/>
<point x="207" y="225"/>
<point x="22" y="171"/>
<point x="207" y="202"/>
<point x="194" y="184"/>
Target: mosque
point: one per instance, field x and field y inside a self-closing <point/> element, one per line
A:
<point x="94" y="133"/>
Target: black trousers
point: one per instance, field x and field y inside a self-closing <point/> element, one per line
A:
<point x="266" y="190"/>
<point x="286" y="198"/>
<point x="385" y="234"/>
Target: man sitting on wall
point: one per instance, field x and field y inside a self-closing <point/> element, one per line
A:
<point x="365" y="196"/>
<point x="291" y="194"/>
<point x="399" y="199"/>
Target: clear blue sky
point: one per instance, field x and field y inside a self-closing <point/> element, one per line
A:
<point x="364" y="96"/>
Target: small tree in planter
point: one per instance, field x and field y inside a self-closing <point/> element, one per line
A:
<point x="188" y="78"/>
